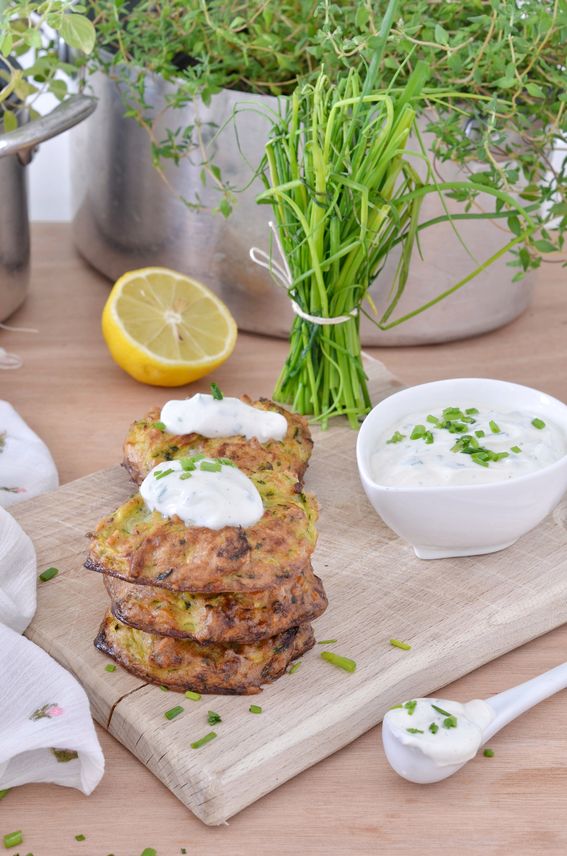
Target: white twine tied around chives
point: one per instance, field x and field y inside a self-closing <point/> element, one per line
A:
<point x="13" y="361"/>
<point x="283" y="274"/>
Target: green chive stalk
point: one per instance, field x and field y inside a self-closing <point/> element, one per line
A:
<point x="343" y="195"/>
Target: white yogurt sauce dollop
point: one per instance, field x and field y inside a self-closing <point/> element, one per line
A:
<point x="445" y="740"/>
<point x="415" y="462"/>
<point x="201" y="497"/>
<point x="227" y="417"/>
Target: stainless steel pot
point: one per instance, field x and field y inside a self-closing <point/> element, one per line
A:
<point x="16" y="151"/>
<point x="127" y="217"/>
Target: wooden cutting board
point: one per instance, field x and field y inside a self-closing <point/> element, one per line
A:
<point x="456" y="614"/>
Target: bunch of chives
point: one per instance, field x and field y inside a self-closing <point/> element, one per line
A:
<point x="343" y="195"/>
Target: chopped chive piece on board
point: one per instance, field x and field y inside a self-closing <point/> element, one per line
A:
<point x="4" y="792"/>
<point x="48" y="574"/>
<point x="327" y="642"/>
<point x="12" y="839"/>
<point x="216" y="393"/>
<point x="193" y="696"/>
<point x="255" y="708"/>
<point x="396" y="643"/>
<point x="294" y="667"/>
<point x="213" y="718"/>
<point x="80" y="837"/>
<point x="538" y="423"/>
<point x="173" y="712"/>
<point x="206" y="739"/>
<point x="396" y="437"/>
<point x="149" y="851"/>
<point x="110" y="668"/>
<point x="488" y="753"/>
<point x="341" y="662"/>
<point x="159" y="425"/>
<point x="164" y="689"/>
<point x="414" y="731"/>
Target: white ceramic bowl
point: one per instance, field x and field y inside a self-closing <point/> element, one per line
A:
<point x="463" y="520"/>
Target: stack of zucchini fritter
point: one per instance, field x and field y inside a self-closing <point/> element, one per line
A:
<point x="215" y="611"/>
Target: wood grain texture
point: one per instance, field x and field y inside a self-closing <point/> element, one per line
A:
<point x="456" y="614"/>
<point x="351" y="803"/>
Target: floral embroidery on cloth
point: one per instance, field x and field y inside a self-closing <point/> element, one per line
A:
<point x="48" y="711"/>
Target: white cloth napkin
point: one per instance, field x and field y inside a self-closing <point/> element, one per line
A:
<point x="46" y="730"/>
<point x="26" y="465"/>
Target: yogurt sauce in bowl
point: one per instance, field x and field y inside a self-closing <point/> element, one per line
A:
<point x="464" y="446"/>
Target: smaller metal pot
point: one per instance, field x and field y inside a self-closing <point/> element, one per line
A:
<point x="16" y="151"/>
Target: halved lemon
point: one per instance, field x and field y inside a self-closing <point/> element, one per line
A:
<point x="166" y="329"/>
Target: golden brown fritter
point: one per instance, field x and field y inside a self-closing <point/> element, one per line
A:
<point x="246" y="617"/>
<point x="181" y="664"/>
<point x="138" y="545"/>
<point x="145" y="446"/>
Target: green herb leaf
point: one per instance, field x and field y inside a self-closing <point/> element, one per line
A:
<point x="210" y="466"/>
<point x="494" y="427"/>
<point x="396" y="643"/>
<point x="111" y="667"/>
<point x="396" y="437"/>
<point x="516" y="450"/>
<point x="418" y="432"/>
<point x="415" y="730"/>
<point x="159" y="425"/>
<point x="538" y="423"/>
<point x="440" y="710"/>
<point x="161" y="474"/>
<point x="48" y="574"/>
<point x="192" y="695"/>
<point x="12" y="839"/>
<point x="434" y="728"/>
<point x="78" y="31"/>
<point x="213" y="718"/>
<point x="410" y="706"/>
<point x="216" y="393"/>
<point x="255" y="708"/>
<point x="450" y="722"/>
<point x="327" y="642"/>
<point x="488" y="753"/>
<point x="80" y="837"/>
<point x="294" y="667"/>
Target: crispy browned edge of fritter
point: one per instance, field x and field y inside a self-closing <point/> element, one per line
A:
<point x="295" y="420"/>
<point x="249" y="632"/>
<point x="295" y="642"/>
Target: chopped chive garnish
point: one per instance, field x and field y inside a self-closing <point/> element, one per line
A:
<point x="161" y="474"/>
<point x="327" y="642"/>
<point x="428" y="437"/>
<point x="80" y="837"/>
<point x="410" y="706"/>
<point x="480" y="460"/>
<point x="418" y="432"/>
<point x="294" y="667"/>
<point x="110" y="668"/>
<point x="499" y="456"/>
<point x="480" y="433"/>
<point x="149" y="851"/>
<point x="440" y="710"/>
<point x="494" y="427"/>
<point x="538" y="423"/>
<point x="396" y="643"/>
<point x="451" y="413"/>
<point x="488" y="753"/>
<point x="255" y="708"/>
<point x="187" y="464"/>
<point x="193" y="696"/>
<point x="414" y="730"/>
<point x="226" y="461"/>
<point x="516" y="449"/>
<point x="12" y="839"/>
<point x="159" y="425"/>
<point x="432" y="420"/>
<point x="471" y="411"/>
<point x="396" y="437"/>
<point x="396" y="707"/>
<point x="164" y="689"/>
<point x="185" y="476"/>
<point x="206" y="739"/>
<point x="213" y="718"/>
<point x="434" y="728"/>
<point x="450" y="722"/>
<point x="4" y="792"/>
<point x="173" y="712"/>
<point x="216" y="393"/>
<point x="210" y="466"/>
<point x="48" y="574"/>
<point x="340" y="662"/>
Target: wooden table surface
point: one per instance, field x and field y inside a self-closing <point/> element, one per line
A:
<point x="80" y="403"/>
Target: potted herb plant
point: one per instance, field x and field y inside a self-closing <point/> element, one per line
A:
<point x="186" y="93"/>
<point x="30" y="65"/>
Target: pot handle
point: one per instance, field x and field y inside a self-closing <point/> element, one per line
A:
<point x="23" y="140"/>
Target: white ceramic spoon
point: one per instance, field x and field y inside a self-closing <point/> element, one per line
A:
<point x="412" y="764"/>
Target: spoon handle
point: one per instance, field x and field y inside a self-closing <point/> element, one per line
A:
<point x="515" y="701"/>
